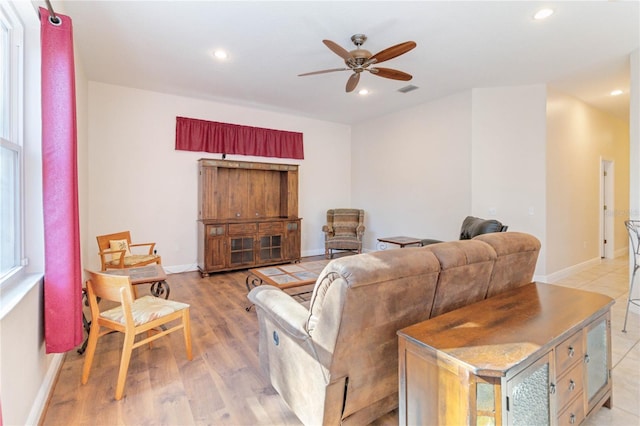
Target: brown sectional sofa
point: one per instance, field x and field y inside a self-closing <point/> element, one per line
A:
<point x="337" y="361"/>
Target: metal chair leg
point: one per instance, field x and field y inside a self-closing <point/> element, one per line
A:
<point x="634" y="239"/>
<point x="629" y="299"/>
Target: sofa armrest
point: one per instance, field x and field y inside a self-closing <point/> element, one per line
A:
<point x="282" y="309"/>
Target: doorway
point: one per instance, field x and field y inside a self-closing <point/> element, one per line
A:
<point x="607" y="216"/>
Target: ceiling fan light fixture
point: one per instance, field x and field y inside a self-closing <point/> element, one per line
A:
<point x="363" y="92"/>
<point x="616" y="92"/>
<point x="360" y="60"/>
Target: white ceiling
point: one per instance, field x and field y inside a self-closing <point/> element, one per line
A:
<point x="167" y="46"/>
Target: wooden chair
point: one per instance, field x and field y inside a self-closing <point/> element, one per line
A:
<point x="115" y="252"/>
<point x="134" y="316"/>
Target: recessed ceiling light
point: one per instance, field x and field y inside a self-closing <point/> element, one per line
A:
<point x="363" y="92"/>
<point x="220" y="54"/>
<point x="543" y="14"/>
<point x="616" y="92"/>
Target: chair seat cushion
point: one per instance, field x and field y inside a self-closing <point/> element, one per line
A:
<point x="134" y="259"/>
<point x="343" y="243"/>
<point x="145" y="309"/>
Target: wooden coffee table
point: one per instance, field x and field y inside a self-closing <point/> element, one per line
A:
<point x="286" y="276"/>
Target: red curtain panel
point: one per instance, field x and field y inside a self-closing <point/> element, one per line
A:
<point x="63" y="272"/>
<point x="224" y="138"/>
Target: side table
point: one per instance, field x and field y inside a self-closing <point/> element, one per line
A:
<point x="401" y="241"/>
<point x="150" y="274"/>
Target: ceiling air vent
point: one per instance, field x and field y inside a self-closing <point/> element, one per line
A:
<point x="407" y="89"/>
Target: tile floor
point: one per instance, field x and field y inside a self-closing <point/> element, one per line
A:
<point x="611" y="277"/>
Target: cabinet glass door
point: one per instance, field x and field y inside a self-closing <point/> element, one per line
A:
<point x="596" y="359"/>
<point x="241" y="250"/>
<point x="270" y="248"/>
<point x="528" y="400"/>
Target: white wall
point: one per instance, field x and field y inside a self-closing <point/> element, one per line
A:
<point x="508" y="159"/>
<point x="490" y="153"/>
<point x="634" y="136"/>
<point x="137" y="181"/>
<point x="578" y="137"/>
<point x="411" y="170"/>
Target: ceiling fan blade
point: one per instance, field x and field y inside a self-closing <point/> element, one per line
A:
<point x="392" y="52"/>
<point x="390" y="73"/>
<point x="353" y="81"/>
<point x="323" y="71"/>
<point x="337" y="49"/>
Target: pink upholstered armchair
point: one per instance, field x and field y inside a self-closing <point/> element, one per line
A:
<point x="343" y="231"/>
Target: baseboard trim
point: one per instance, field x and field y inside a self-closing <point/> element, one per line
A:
<point x="563" y="273"/>
<point x="39" y="405"/>
<point x="176" y="269"/>
<point x="309" y="253"/>
<point x="621" y="252"/>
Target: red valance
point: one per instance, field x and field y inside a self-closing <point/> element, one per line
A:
<point x="225" y="138"/>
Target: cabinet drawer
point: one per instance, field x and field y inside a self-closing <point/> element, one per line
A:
<point x="270" y="227"/>
<point x="242" y="228"/>
<point x="569" y="352"/>
<point x="570" y="385"/>
<point x="573" y="415"/>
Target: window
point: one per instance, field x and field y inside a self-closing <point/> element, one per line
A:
<point x="11" y="35"/>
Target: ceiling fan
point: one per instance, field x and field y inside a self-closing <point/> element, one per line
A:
<point x="360" y="60"/>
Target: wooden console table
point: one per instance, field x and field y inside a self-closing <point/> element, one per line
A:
<point x="539" y="354"/>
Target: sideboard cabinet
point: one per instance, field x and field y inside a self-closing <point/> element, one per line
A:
<point x="247" y="215"/>
<point x="536" y="355"/>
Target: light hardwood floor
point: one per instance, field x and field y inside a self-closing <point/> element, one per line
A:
<point x="223" y="384"/>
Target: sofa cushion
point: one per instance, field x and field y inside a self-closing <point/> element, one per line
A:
<point x="465" y="271"/>
<point x="369" y="270"/>
<point x="516" y="262"/>
<point x="474" y="226"/>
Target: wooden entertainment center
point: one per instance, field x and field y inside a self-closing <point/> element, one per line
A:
<point x="536" y="355"/>
<point x="247" y="215"/>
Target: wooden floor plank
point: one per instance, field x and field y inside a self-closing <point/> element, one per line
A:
<point x="222" y="385"/>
